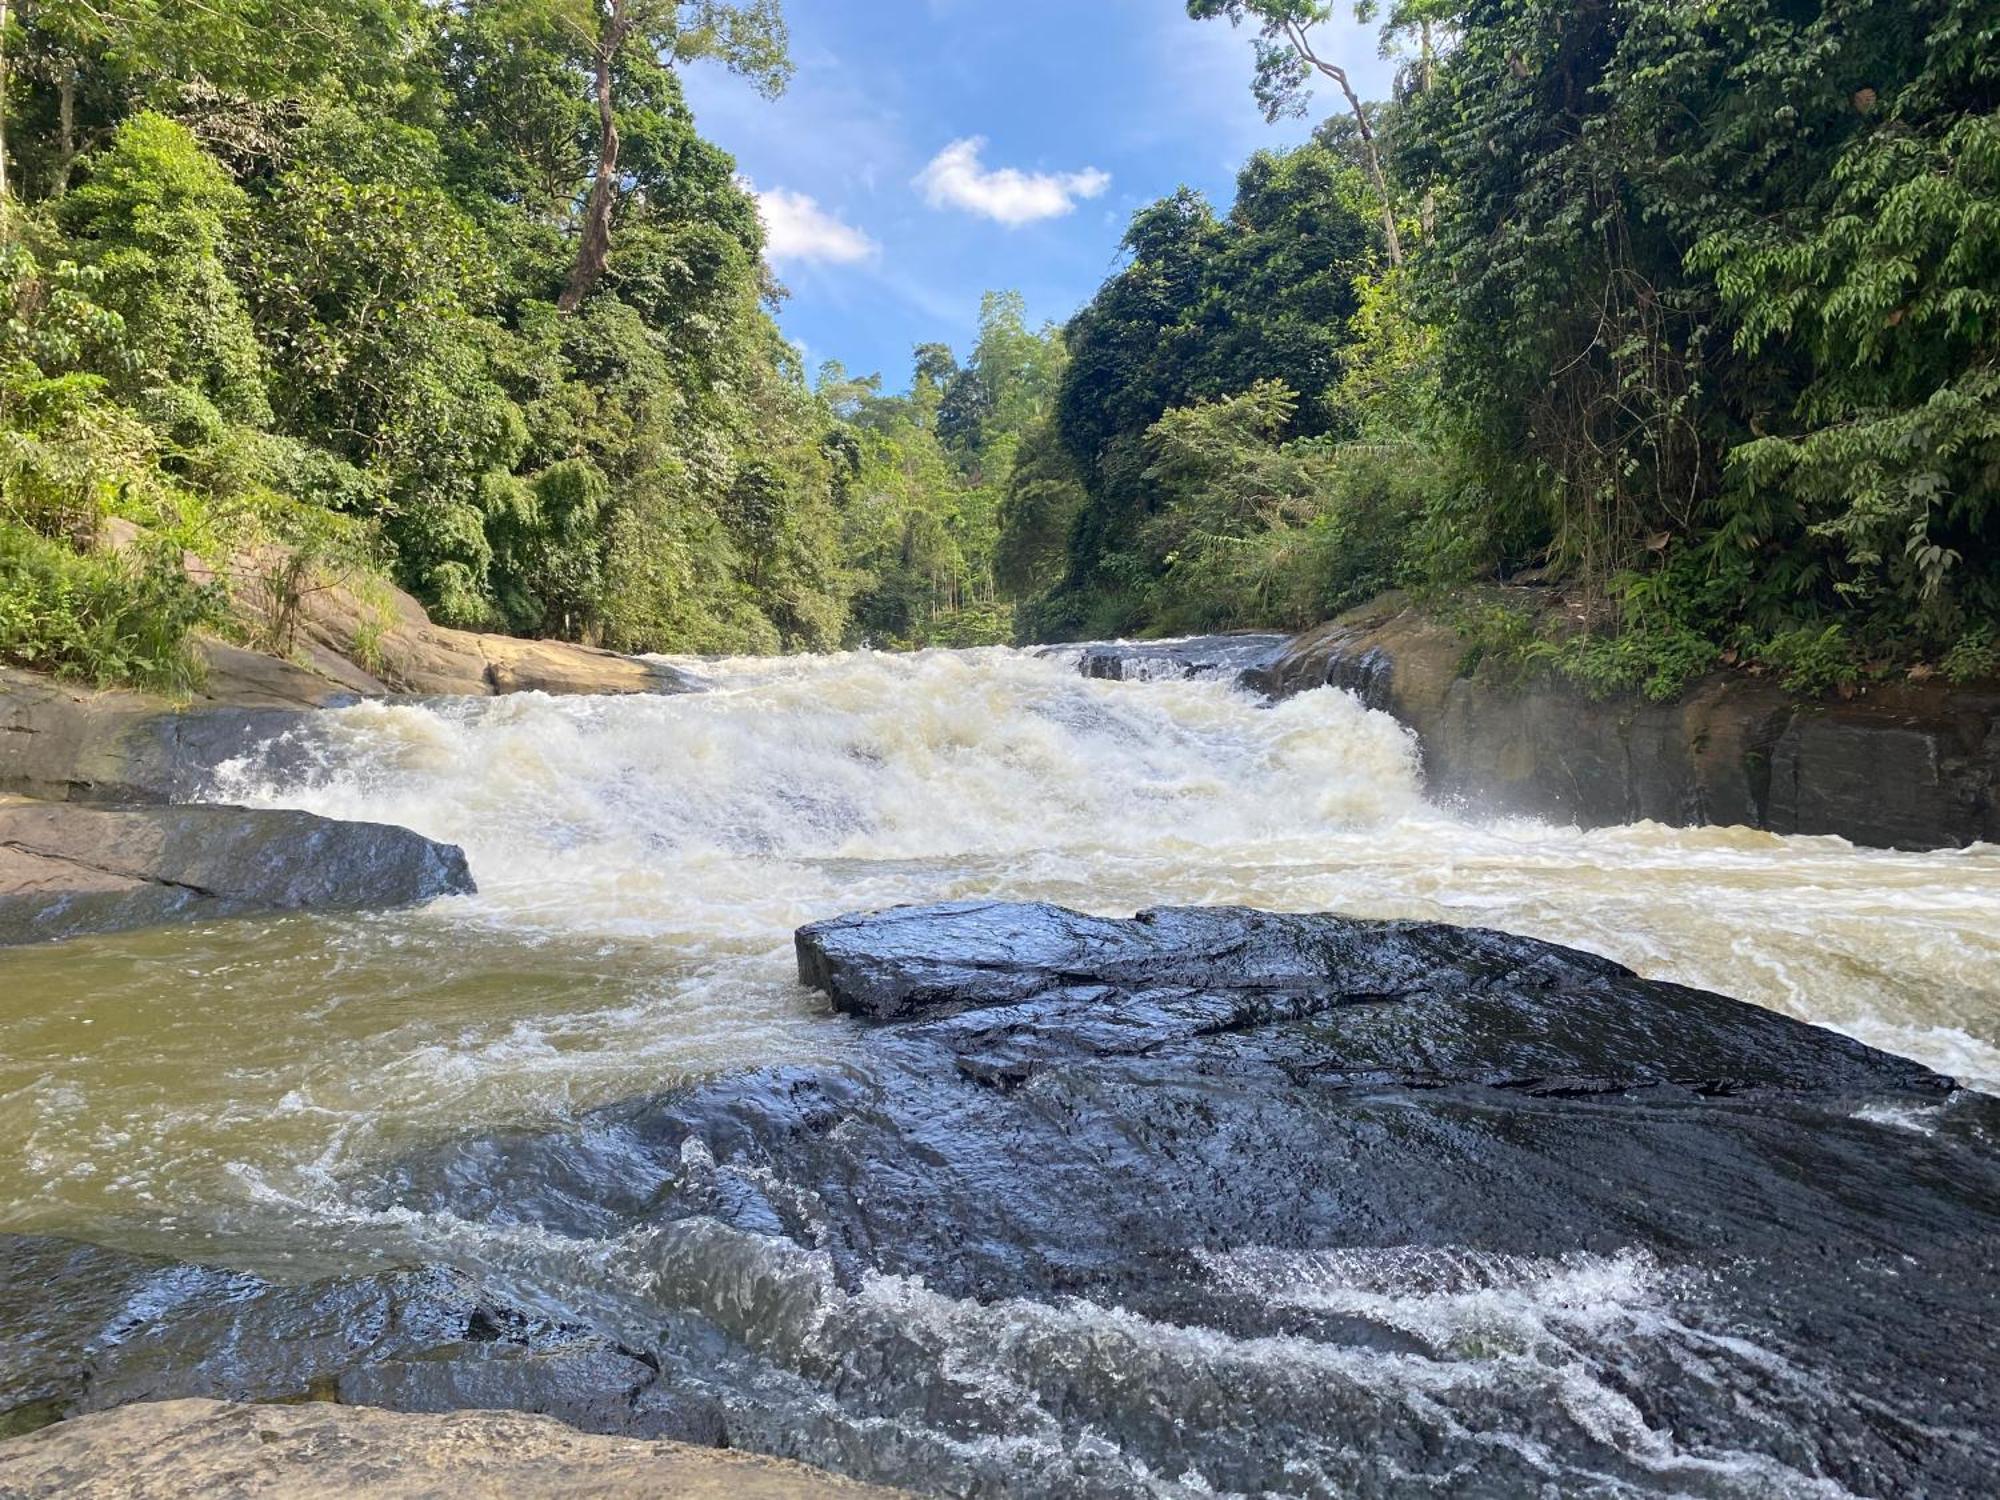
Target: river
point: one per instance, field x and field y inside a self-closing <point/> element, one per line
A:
<point x="232" y="1092"/>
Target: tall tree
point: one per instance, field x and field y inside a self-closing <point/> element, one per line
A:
<point x="749" y="39"/>
<point x="1287" y="57"/>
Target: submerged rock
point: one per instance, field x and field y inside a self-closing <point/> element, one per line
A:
<point x="1220" y="656"/>
<point x="192" y="1450"/>
<point x="1300" y="1205"/>
<point x="68" y="870"/>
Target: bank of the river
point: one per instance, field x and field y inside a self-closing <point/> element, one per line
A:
<point x="196" y="1450"/>
<point x="1901" y="765"/>
<point x="89" y="844"/>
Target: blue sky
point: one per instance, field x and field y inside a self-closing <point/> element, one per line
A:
<point x="931" y="150"/>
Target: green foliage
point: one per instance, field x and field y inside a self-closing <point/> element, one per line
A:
<point x="282" y="288"/>
<point x="1716" y="285"/>
<point x="1204" y="310"/>
<point x="955" y="498"/>
<point x="1812" y="661"/>
<point x="1691" y="312"/>
<point x="100" y="618"/>
<point x="1974" y="657"/>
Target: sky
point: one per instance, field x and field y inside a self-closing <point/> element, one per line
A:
<point x="931" y="150"/>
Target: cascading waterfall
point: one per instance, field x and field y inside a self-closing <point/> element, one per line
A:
<point x="642" y="864"/>
<point x="715" y="823"/>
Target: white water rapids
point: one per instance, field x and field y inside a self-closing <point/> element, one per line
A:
<point x="219" y="1092"/>
<point x="642" y="863"/>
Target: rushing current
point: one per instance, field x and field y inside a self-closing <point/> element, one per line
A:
<point x="233" y="1092"/>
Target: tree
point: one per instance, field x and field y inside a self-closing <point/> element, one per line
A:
<point x="1287" y="56"/>
<point x="749" y="39"/>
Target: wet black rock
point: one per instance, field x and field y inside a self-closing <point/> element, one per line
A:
<point x="84" y="1329"/>
<point x="1222" y="656"/>
<point x="1303" y="1205"/>
<point x="67" y="870"/>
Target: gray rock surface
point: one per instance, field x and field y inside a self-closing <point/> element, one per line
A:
<point x="85" y="1329"/>
<point x="67" y="870"/>
<point x="1904" y="765"/>
<point x="1297" y="1204"/>
<point x="1207" y="656"/>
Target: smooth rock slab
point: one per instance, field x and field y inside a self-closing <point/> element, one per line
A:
<point x="67" y="870"/>
<point x="85" y="1329"/>
<point x="194" y="1450"/>
<point x="1297" y="1205"/>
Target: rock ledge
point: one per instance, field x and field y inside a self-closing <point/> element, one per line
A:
<point x="181" y="1450"/>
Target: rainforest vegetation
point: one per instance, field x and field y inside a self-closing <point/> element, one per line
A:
<point x="1689" y="313"/>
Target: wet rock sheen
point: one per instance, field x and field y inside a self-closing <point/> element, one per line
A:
<point x="67" y="870"/>
<point x="1298" y="1204"/>
<point x="1208" y="1198"/>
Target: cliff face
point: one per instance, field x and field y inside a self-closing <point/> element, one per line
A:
<point x="1903" y="766"/>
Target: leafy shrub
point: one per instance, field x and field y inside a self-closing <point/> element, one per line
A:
<point x="1975" y="658"/>
<point x="102" y="618"/>
<point x="1812" y="662"/>
<point x="1659" y="663"/>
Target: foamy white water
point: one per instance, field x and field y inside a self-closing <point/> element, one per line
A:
<point x="643" y="862"/>
<point x="804" y="787"/>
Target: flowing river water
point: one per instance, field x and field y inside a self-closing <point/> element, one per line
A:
<point x="232" y="1092"/>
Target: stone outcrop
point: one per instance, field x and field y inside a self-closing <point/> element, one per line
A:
<point x="129" y="1328"/>
<point x="68" y="870"/>
<point x="1292" y="1204"/>
<point x="205" y="1450"/>
<point x="1902" y="765"/>
<point x="61" y="742"/>
<point x="1208" y="656"/>
<point x="344" y="636"/>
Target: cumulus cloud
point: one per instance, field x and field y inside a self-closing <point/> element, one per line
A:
<point x="956" y="178"/>
<point x="798" y="231"/>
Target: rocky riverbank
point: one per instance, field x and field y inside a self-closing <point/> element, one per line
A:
<point x="1902" y="765"/>
<point x="1064" y="1203"/>
<point x="196" y="1450"/>
<point x="1289" y="1202"/>
<point x="88" y="842"/>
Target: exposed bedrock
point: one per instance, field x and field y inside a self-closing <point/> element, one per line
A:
<point x="84" y="1329"/>
<point x="198" y="1450"/>
<point x="68" y="870"/>
<point x="1903" y="765"/>
<point x="1296" y="1204"/>
<point x="1220" y="656"/>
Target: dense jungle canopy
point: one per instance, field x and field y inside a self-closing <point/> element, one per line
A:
<point x="1690" y="312"/>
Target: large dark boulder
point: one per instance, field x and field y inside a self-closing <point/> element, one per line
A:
<point x="68" y="870"/>
<point x="1286" y="1204"/>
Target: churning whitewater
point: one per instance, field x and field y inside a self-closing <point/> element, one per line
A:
<point x="711" y="825"/>
<point x="642" y="865"/>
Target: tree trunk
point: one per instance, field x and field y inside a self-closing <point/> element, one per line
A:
<point x="3" y="114"/>
<point x="1426" y="80"/>
<point x="1339" y="76"/>
<point x="65" y="126"/>
<point x="593" y="251"/>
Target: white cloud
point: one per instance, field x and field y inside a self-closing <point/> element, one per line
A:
<point x="957" y="179"/>
<point x="797" y="230"/>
